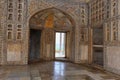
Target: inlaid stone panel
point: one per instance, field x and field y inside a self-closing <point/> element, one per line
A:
<point x="113" y="59"/>
<point x="14" y="52"/>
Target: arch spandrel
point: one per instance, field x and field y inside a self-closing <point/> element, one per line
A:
<point x="36" y="6"/>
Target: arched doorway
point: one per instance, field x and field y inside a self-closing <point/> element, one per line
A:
<point x="44" y="25"/>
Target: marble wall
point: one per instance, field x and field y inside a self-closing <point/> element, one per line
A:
<point x="112" y="59"/>
<point x="15" y="17"/>
<point x="111" y="50"/>
<point x="110" y="24"/>
<point x="1" y="29"/>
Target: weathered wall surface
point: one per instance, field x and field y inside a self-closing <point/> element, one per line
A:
<point x="112" y="59"/>
<point x="112" y="42"/>
<point x="110" y="21"/>
<point x="1" y="28"/>
<point x="0" y="31"/>
<point x="13" y="29"/>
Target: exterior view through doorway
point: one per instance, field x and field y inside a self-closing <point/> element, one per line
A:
<point x="60" y="45"/>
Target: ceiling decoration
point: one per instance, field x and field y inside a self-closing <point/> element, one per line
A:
<point x="50" y="18"/>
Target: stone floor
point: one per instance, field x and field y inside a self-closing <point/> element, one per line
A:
<point x="53" y="71"/>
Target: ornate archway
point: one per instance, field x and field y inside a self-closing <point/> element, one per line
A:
<point x="49" y="21"/>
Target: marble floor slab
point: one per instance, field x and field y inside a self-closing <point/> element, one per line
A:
<point x="54" y="70"/>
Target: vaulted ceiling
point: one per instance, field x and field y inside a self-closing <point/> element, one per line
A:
<point x="50" y="18"/>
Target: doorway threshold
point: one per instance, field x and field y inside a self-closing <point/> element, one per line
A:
<point x="61" y="59"/>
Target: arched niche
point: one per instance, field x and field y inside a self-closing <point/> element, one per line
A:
<point x="49" y="21"/>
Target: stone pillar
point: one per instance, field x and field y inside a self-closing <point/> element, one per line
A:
<point x="48" y="44"/>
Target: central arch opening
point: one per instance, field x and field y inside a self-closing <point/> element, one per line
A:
<point x="60" y="45"/>
<point x="47" y="28"/>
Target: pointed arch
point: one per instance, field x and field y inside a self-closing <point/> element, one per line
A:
<point x="61" y="18"/>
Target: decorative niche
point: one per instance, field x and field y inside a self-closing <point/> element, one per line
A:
<point x="84" y="34"/>
<point x="10" y="32"/>
<point x="107" y="30"/>
<point x="115" y="31"/>
<point x="19" y="17"/>
<point x="10" y="5"/>
<point x="19" y="10"/>
<point x="10" y="9"/>
<point x="10" y="16"/>
<point x="19" y="33"/>
<point x="83" y="15"/>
